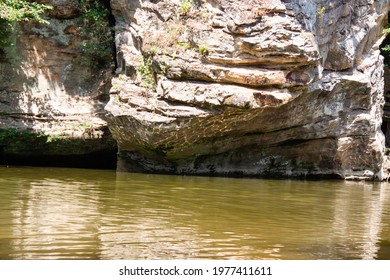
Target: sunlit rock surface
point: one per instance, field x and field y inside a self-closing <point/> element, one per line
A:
<point x="51" y="102"/>
<point x="213" y="87"/>
<point x="249" y="88"/>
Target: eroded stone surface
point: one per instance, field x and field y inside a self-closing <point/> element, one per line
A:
<point x="46" y="90"/>
<point x="252" y="88"/>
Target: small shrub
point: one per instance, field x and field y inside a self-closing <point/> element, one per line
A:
<point x="385" y="47"/>
<point x="203" y="50"/>
<point x="186" y="6"/>
<point x="22" y="10"/>
<point x="53" y="138"/>
<point x="4" y="34"/>
<point x="96" y="35"/>
<point x="184" y="45"/>
<point x="321" y="12"/>
<point x="163" y="68"/>
<point x="145" y="71"/>
<point x="16" y="11"/>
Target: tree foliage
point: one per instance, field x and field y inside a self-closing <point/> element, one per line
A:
<point x="17" y="11"/>
<point x="385" y="47"/>
<point x="22" y="10"/>
<point x="96" y="33"/>
<point x="95" y="29"/>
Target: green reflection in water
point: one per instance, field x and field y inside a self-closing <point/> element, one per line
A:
<point x="48" y="213"/>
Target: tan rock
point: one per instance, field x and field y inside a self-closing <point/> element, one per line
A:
<point x="252" y="88"/>
<point x="46" y="90"/>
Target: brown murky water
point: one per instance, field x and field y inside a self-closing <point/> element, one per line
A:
<point x="48" y="213"/>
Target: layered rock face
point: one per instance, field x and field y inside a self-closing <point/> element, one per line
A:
<point x="52" y="97"/>
<point x="249" y="88"/>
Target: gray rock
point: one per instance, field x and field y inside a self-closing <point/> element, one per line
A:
<point x="252" y="88"/>
<point x="46" y="91"/>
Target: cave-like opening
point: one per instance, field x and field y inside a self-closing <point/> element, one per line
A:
<point x="385" y="50"/>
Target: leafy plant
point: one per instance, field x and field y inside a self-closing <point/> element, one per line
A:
<point x="321" y="12"/>
<point x="96" y="35"/>
<point x="8" y="135"/>
<point x="21" y="140"/>
<point x="4" y="34"/>
<point x="385" y="47"/>
<point x="203" y="50"/>
<point x="149" y="68"/>
<point x="186" y="5"/>
<point x="12" y="11"/>
<point x="184" y="45"/>
<point x="22" y="10"/>
<point x="144" y="69"/>
<point x="53" y="138"/>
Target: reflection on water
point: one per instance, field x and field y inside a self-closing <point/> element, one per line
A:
<point x="50" y="213"/>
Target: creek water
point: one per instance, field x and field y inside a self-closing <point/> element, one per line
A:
<point x="57" y="213"/>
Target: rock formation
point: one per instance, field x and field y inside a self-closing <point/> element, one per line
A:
<point x="52" y="97"/>
<point x="262" y="88"/>
<point x="287" y="88"/>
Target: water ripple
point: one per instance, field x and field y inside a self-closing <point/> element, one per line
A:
<point x="50" y="213"/>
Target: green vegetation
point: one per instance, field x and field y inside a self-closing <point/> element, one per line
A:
<point x="27" y="142"/>
<point x="94" y="29"/>
<point x="96" y="35"/>
<point x="149" y="68"/>
<point x="184" y="45"/>
<point x="16" y="140"/>
<point x="186" y="5"/>
<point x="145" y="71"/>
<point x="321" y="12"/>
<point x="385" y="48"/>
<point x="22" y="10"/>
<point x="203" y="50"/>
<point x="12" y="11"/>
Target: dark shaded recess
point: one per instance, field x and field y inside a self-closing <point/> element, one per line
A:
<point x="386" y="110"/>
<point x="292" y="142"/>
<point x="386" y="130"/>
<point x="2" y="54"/>
<point x="112" y="23"/>
<point x="95" y="160"/>
<point x="385" y="42"/>
<point x="34" y="149"/>
<point x="1" y="153"/>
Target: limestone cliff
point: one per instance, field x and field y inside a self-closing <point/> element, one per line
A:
<point x="290" y="88"/>
<point x="52" y="95"/>
<point x="253" y="88"/>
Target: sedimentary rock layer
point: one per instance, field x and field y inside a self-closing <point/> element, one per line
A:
<point x="52" y="96"/>
<point x="252" y="88"/>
